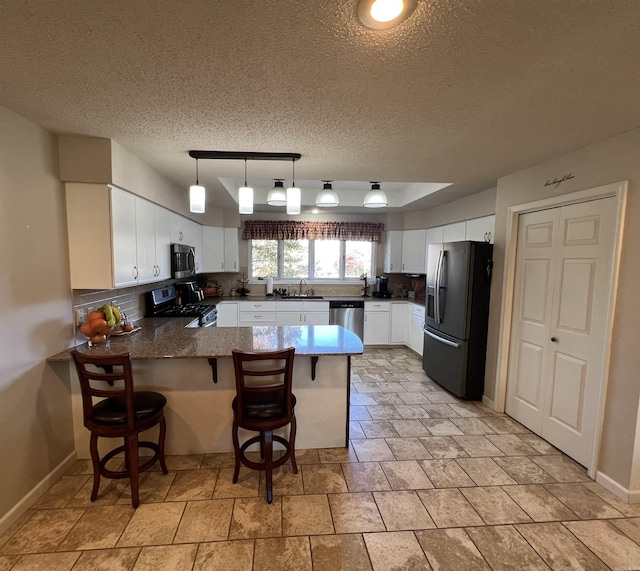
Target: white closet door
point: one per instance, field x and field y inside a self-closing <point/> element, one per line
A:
<point x="563" y="270"/>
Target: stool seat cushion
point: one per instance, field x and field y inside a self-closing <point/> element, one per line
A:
<point x="257" y="409"/>
<point x="114" y="410"/>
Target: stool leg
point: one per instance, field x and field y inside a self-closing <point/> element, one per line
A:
<point x="161" y="437"/>
<point x="95" y="461"/>
<point x="268" y="462"/>
<point x="236" y="450"/>
<point x="132" y="447"/>
<point x="292" y="444"/>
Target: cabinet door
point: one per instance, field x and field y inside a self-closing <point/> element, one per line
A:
<point x="231" y="253"/>
<point x="480" y="229"/>
<point x="212" y="249"/>
<point x="414" y="247"/>
<point x="145" y="240"/>
<point x="123" y="227"/>
<point x="454" y="232"/>
<point x="434" y="236"/>
<point x="393" y="252"/>
<point x="400" y="323"/>
<point x="417" y="334"/>
<point x="193" y="237"/>
<point x="316" y="318"/>
<point x="227" y="314"/>
<point x="376" y="328"/>
<point x="289" y="318"/>
<point x="177" y="229"/>
<point x="163" y="243"/>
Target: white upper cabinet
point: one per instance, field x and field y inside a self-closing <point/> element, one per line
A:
<point x="163" y="243"/>
<point x="212" y="249"/>
<point x="414" y="247"/>
<point x="481" y="229"/>
<point x="123" y="223"/>
<point x="231" y="250"/>
<point x="393" y="252"/>
<point x="454" y="232"/>
<point x="145" y="240"/>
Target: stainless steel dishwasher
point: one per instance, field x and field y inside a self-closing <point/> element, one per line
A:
<point x="348" y="314"/>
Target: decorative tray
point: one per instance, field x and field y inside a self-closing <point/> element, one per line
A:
<point x="120" y="333"/>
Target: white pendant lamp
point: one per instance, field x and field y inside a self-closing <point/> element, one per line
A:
<point x="375" y="198"/>
<point x="245" y="195"/>
<point x="197" y="196"/>
<point x="327" y="197"/>
<point x="293" y="193"/>
<point x="277" y="195"/>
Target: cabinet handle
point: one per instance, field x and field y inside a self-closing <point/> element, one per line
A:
<point x="403" y="266"/>
<point x="222" y="266"/>
<point x="554" y="340"/>
<point x="234" y="265"/>
<point x="135" y="272"/>
<point x="301" y="318"/>
<point x="392" y="266"/>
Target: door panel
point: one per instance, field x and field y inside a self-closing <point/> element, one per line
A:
<point x="562" y="286"/>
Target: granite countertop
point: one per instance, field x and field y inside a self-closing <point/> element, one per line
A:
<point x="167" y="338"/>
<point x="215" y="300"/>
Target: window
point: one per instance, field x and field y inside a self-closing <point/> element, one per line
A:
<point x="311" y="259"/>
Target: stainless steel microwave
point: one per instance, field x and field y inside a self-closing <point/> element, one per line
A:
<point x="183" y="261"/>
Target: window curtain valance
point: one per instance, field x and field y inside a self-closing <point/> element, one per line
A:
<point x="298" y="230"/>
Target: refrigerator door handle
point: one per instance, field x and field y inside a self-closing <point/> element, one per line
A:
<point x="441" y="339"/>
<point x="438" y="285"/>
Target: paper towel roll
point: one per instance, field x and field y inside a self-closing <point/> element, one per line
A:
<point x="269" y="286"/>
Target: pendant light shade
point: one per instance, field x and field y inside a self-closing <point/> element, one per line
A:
<point x="293" y="193"/>
<point x="197" y="196"/>
<point x="327" y="197"/>
<point x="277" y="195"/>
<point x="245" y="195"/>
<point x="375" y="198"/>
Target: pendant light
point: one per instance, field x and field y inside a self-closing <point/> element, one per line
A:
<point x="375" y="198"/>
<point x="327" y="197"/>
<point x="293" y="193"/>
<point x="196" y="195"/>
<point x="245" y="195"/>
<point x="277" y="195"/>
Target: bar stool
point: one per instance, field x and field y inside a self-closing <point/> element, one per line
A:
<point x="262" y="405"/>
<point x="122" y="413"/>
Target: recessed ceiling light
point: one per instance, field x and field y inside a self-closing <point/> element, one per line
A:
<point x="382" y="14"/>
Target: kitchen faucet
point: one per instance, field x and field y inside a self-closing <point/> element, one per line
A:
<point x="305" y="283"/>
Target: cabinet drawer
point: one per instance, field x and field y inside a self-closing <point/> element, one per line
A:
<point x="289" y="305"/>
<point x="253" y="306"/>
<point x="257" y="317"/>
<point x="376" y="306"/>
<point x="418" y="311"/>
<point x="316" y="305"/>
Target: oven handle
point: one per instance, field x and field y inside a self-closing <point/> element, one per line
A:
<point x="191" y="260"/>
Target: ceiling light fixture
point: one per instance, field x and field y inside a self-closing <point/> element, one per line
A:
<point x="375" y="198"/>
<point x="293" y="193"/>
<point x="277" y="195"/>
<point x="327" y="197"/>
<point x="245" y="195"/>
<point x="196" y="195"/>
<point x="383" y="14"/>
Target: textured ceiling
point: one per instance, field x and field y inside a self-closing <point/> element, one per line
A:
<point x="462" y="92"/>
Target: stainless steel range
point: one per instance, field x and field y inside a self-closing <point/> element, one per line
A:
<point x="163" y="303"/>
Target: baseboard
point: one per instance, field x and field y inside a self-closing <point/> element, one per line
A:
<point x="38" y="490"/>
<point x="486" y="400"/>
<point x="629" y="496"/>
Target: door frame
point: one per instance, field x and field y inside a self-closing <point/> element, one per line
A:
<point x="617" y="190"/>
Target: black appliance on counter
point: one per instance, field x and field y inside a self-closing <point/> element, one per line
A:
<point x="162" y="303"/>
<point x="189" y="292"/>
<point x="456" y="316"/>
<point x="381" y="287"/>
<point x="183" y="261"/>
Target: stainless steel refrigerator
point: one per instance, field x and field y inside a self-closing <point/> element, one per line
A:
<point x="456" y="316"/>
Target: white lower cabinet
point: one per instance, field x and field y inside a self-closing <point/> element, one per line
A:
<point x="227" y="314"/>
<point x="257" y="313"/>
<point x="416" y="333"/>
<point x="376" y="323"/>
<point x="302" y="313"/>
<point x="400" y="318"/>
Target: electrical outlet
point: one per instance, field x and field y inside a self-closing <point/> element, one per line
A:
<point x="81" y="315"/>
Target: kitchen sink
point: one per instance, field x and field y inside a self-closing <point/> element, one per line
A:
<point x="302" y="297"/>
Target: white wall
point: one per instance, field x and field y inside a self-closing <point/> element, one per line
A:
<point x="35" y="310"/>
<point x="606" y="162"/>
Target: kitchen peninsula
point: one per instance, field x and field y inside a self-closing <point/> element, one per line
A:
<point x="193" y="368"/>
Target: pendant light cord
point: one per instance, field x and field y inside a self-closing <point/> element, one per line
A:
<point x="245" y="171"/>
<point x="293" y="171"/>
<point x="197" y="183"/>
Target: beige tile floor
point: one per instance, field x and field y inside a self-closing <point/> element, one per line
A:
<point x="429" y="482"/>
